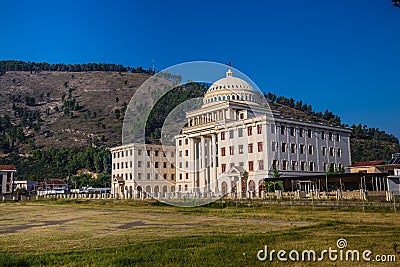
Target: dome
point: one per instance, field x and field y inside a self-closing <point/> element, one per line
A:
<point x="229" y="88"/>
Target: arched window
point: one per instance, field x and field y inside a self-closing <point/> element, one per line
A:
<point x="233" y="97"/>
<point x="223" y="98"/>
<point x="228" y="97"/>
<point x="219" y="98"/>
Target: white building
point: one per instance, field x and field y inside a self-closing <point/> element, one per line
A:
<point x="138" y="167"/>
<point x="231" y="144"/>
<point x="7" y="177"/>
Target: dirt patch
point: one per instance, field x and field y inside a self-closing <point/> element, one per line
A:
<point x="16" y="228"/>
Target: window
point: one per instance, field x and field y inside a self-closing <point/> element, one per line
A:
<point x="284" y="165"/>
<point x="294" y="164"/>
<point x="330" y="136"/>
<point x="187" y="164"/>
<point x="250" y="148"/>
<point x="261" y="165"/>
<point x="117" y="166"/>
<point x="164" y="154"/>
<point x="323" y="135"/>
<point x="172" y="176"/>
<point x="156" y="176"/>
<point x="250" y="130"/>
<point x="180" y="142"/>
<point x="180" y="188"/>
<point x="222" y="135"/>
<point x="113" y="166"/>
<point x="156" y="153"/>
<point x="259" y="129"/>
<point x="323" y="151"/>
<point x="165" y="176"/>
<point x="118" y="155"/>
<point x="114" y="155"/>
<point x="122" y="154"/>
<point x="240" y="149"/>
<point x="223" y="167"/>
<point x="310" y="149"/>
<point x="324" y="166"/>
<point x="311" y="166"/>
<point x="241" y="116"/>
<point x="240" y="132"/>
<point x="273" y="146"/>
<point x="293" y="148"/>
<point x="301" y="132"/>
<point x="139" y="152"/>
<point x="130" y="164"/>
<point x="148" y="153"/>
<point x="283" y="130"/>
<point x="275" y="164"/>
<point x="122" y="165"/>
<point x="260" y="146"/>
<point x="186" y="187"/>
<point x="186" y="152"/>
<point x="156" y="164"/>
<point x="340" y="166"/>
<point x="180" y="154"/>
<point x="339" y="152"/>
<point x="164" y="165"/>
<point x="148" y="164"/>
<point x="180" y="176"/>
<point x="291" y="131"/>
<point x="331" y="152"/>
<point x="231" y="134"/>
<point x="148" y="176"/>
<point x="186" y="141"/>
<point x="309" y="133"/>
<point x="302" y="150"/>
<point x="172" y="166"/>
<point x="283" y="147"/>
<point x="139" y="176"/>
<point x="251" y="166"/>
<point x="172" y="154"/>
<point x="231" y="150"/>
<point x="187" y="176"/>
<point x="222" y="151"/>
<point x="241" y="164"/>
<point x="180" y="165"/>
<point x="337" y="137"/>
<point x="273" y="128"/>
<point x="303" y="166"/>
<point x="139" y="164"/>
<point x="130" y="152"/>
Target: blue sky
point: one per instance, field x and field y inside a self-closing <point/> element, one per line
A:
<point x="340" y="55"/>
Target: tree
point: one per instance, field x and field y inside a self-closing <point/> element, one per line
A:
<point x="396" y="3"/>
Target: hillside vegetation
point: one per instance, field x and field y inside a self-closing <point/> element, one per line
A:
<point x="75" y="107"/>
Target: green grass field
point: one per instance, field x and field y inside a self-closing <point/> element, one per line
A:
<point x="112" y="233"/>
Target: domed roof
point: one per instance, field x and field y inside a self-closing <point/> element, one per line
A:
<point x="229" y="88"/>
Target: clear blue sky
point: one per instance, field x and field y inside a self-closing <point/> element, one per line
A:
<point x="342" y="55"/>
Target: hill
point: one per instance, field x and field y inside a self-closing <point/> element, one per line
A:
<point x="64" y="109"/>
<point x="55" y="111"/>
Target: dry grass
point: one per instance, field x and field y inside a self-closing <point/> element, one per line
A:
<point x="111" y="233"/>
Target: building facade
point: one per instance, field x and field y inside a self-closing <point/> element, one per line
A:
<point x="7" y="177"/>
<point x="140" y="170"/>
<point x="234" y="141"/>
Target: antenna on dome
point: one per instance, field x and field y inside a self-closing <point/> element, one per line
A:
<point x="229" y="73"/>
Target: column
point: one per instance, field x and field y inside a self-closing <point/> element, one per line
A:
<point x="192" y="156"/>
<point x="202" y="169"/>
<point x="213" y="165"/>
